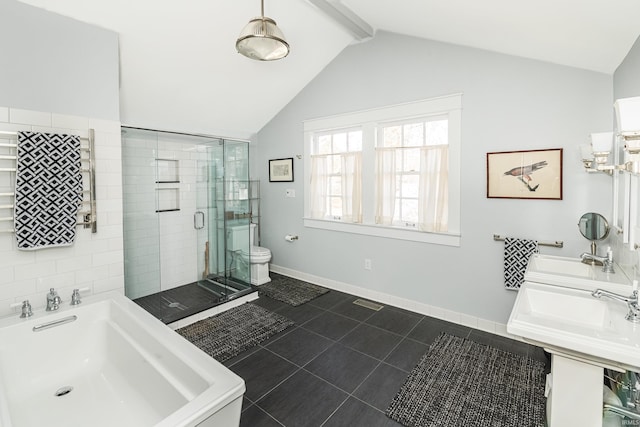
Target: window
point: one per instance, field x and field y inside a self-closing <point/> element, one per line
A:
<point x="390" y="172"/>
<point x="412" y="174"/>
<point x="336" y="175"/>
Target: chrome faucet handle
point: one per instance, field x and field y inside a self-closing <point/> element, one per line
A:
<point x="633" y="315"/>
<point x="26" y="308"/>
<point x="53" y="300"/>
<point x="607" y="266"/>
<point x="634" y="310"/>
<point x="75" y="296"/>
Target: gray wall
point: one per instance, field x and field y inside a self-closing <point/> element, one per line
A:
<point x="626" y="79"/>
<point x="56" y="64"/>
<point x="509" y="103"/>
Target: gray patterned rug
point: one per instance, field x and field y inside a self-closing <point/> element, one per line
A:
<point x="227" y="334"/>
<point x="291" y="291"/>
<point x="462" y="383"/>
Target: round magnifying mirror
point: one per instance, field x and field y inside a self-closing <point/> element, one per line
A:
<point x="593" y="226"/>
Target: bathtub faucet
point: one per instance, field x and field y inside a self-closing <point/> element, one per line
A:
<point x="53" y="300"/>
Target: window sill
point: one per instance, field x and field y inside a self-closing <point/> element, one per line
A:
<point x="446" y="239"/>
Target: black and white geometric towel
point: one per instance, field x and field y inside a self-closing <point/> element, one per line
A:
<point x="516" y="257"/>
<point x="48" y="190"/>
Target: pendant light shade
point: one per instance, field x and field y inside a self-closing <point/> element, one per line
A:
<point x="261" y="39"/>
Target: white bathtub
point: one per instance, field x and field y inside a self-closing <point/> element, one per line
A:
<point x="126" y="369"/>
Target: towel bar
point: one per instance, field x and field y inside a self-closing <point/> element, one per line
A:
<point x="15" y="134"/>
<point x="556" y="244"/>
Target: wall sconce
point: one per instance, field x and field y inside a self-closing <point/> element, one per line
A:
<point x="595" y="157"/>
<point x="587" y="157"/>
<point x="628" y="121"/>
<point x="628" y="116"/>
<point x="601" y="144"/>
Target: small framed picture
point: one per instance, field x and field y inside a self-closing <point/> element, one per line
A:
<point x="281" y="170"/>
<point x="533" y="174"/>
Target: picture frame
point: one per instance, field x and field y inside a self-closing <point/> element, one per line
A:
<point x="530" y="174"/>
<point x="281" y="170"/>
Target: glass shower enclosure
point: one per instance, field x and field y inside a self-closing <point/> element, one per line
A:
<point x="187" y="212"/>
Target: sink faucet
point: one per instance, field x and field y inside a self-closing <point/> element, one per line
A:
<point x="53" y="300"/>
<point x="606" y="261"/>
<point x="632" y="301"/>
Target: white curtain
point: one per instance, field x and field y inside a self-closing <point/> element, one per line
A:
<point x="385" y="185"/>
<point x="351" y="186"/>
<point x="433" y="204"/>
<point x="318" y="186"/>
<point x="351" y="178"/>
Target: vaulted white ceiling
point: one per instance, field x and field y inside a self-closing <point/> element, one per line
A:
<point x="180" y="70"/>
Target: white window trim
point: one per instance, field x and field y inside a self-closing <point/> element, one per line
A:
<point x="450" y="105"/>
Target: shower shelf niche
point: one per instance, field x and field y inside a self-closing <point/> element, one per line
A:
<point x="168" y="171"/>
<point x="167" y="199"/>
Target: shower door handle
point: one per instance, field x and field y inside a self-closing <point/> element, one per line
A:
<point x="198" y="224"/>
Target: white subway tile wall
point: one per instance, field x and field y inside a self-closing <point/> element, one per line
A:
<point x="95" y="261"/>
<point x="162" y="249"/>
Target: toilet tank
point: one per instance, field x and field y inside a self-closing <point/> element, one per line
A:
<point x="238" y="237"/>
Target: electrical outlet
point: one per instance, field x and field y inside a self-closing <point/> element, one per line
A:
<point x="367" y="264"/>
<point x="290" y="192"/>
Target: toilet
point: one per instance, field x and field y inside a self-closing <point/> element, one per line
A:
<point x="256" y="256"/>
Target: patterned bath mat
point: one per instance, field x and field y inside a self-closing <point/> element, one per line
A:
<point x="462" y="383"/>
<point x="228" y="334"/>
<point x="291" y="291"/>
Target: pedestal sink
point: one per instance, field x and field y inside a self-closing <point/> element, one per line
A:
<point x="577" y="323"/>
<point x="583" y="335"/>
<point x="573" y="273"/>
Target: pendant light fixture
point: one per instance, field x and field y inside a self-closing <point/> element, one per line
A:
<point x="261" y="39"/>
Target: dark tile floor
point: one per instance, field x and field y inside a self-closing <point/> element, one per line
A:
<point x="341" y="364"/>
<point x="183" y="301"/>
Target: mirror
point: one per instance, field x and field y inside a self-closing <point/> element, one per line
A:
<point x="593" y="226"/>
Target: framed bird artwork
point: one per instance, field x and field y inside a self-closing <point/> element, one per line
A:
<point x="532" y="174"/>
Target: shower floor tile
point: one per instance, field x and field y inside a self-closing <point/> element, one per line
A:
<point x="178" y="303"/>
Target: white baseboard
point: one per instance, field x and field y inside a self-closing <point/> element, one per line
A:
<point x="417" y="307"/>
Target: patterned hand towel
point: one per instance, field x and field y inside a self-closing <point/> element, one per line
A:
<point x="48" y="190"/>
<point x="516" y="257"/>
